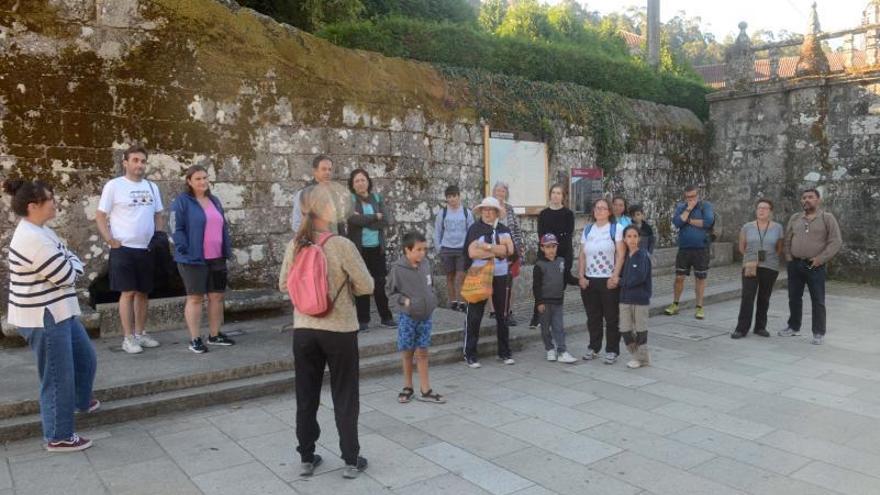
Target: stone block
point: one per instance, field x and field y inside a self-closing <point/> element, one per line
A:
<point x="559" y="441"/>
<point x="480" y="472"/>
<point x="358" y="142"/>
<point x="252" y="477"/>
<point x="414" y="121"/>
<point x="745" y="451"/>
<point x="410" y="145"/>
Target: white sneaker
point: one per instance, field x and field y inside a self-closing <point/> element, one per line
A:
<point x="145" y="340"/>
<point x="590" y="355"/>
<point x="131" y="346"/>
<point x="551" y="355"/>
<point x="633" y="364"/>
<point x="610" y="358"/>
<point x="567" y="358"/>
<point x="509" y="361"/>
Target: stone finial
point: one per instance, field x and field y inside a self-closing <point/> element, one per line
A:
<point x="812" y="61"/>
<point x="814" y="28"/>
<point x="740" y="60"/>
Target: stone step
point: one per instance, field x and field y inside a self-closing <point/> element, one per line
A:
<point x="236" y="390"/>
<point x="270" y="375"/>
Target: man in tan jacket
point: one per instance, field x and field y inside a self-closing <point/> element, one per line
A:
<point x="812" y="238"/>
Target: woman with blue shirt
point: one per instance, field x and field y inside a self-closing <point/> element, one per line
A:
<point x="201" y="248"/>
<point x="761" y="245"/>
<point x="366" y="228"/>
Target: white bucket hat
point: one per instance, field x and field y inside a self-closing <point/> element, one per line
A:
<point x="488" y="202"/>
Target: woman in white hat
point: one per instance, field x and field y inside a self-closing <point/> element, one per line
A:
<point x="489" y="239"/>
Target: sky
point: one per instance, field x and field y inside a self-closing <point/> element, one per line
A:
<point x="721" y="17"/>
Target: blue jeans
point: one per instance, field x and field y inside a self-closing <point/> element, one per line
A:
<point x="66" y="363"/>
<point x="799" y="275"/>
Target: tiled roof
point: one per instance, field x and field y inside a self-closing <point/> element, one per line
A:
<point x="633" y="41"/>
<point x="715" y="74"/>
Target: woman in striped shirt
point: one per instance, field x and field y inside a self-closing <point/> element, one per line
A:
<point x="44" y="308"/>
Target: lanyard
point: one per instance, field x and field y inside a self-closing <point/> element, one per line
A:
<point x="760" y="234"/>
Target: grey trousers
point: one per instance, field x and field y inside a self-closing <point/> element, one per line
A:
<point x="551" y="328"/>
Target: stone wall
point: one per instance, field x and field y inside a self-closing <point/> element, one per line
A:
<point x="777" y="139"/>
<point x="203" y="82"/>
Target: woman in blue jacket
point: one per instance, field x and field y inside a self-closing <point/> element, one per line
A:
<point x="201" y="248"/>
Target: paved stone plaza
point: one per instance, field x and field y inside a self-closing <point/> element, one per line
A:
<point x="759" y="416"/>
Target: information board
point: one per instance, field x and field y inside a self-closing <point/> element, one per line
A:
<point x="521" y="162"/>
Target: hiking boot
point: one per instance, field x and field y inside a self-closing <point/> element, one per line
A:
<point x="455" y="306"/>
<point x="352" y="471"/>
<point x="566" y="358"/>
<point x="737" y="335"/>
<point x="700" y="313"/>
<point x="818" y="339"/>
<point x="220" y="339"/>
<point x="145" y="340"/>
<point x="610" y="358"/>
<point x="472" y="363"/>
<point x="671" y="310"/>
<point x="73" y="444"/>
<point x="551" y="355"/>
<point x="462" y="306"/>
<point x="788" y="332"/>
<point x="131" y="346"/>
<point x="197" y="346"/>
<point x="762" y="332"/>
<point x="308" y="468"/>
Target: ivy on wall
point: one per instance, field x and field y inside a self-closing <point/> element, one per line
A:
<point x="511" y="102"/>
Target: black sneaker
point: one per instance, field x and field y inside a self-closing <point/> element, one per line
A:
<point x="737" y="335"/>
<point x="511" y="321"/>
<point x="352" y="471"/>
<point x="220" y="339"/>
<point x="762" y="332"/>
<point x="363" y="327"/>
<point x="389" y="323"/>
<point x="454" y="306"/>
<point x="197" y="346"/>
<point x="462" y="306"/>
<point x="308" y="468"/>
<point x="492" y="315"/>
<point x="534" y="322"/>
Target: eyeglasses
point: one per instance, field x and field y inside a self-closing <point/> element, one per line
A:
<point x="601" y="208"/>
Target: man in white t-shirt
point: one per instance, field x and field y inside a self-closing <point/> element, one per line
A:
<point x="128" y="215"/>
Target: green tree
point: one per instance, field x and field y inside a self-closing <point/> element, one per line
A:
<point x="527" y="19"/>
<point x="434" y="10"/>
<point x="492" y="14"/>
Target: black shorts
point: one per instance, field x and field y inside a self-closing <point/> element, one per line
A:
<point x="202" y="279"/>
<point x="698" y="259"/>
<point x="452" y="260"/>
<point x="131" y="269"/>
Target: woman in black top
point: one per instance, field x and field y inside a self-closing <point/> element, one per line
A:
<point x="558" y="220"/>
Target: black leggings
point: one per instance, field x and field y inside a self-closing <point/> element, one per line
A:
<point x="374" y="258"/>
<point x="602" y="303"/>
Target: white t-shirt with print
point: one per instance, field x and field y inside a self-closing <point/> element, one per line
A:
<point x="132" y="207"/>
<point x="599" y="250"/>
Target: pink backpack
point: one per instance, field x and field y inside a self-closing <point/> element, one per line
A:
<point x="308" y="281"/>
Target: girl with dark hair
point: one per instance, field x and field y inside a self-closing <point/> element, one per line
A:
<point x="329" y="340"/>
<point x="43" y="306"/>
<point x="366" y="229"/>
<point x="599" y="265"/>
<point x="201" y="248"/>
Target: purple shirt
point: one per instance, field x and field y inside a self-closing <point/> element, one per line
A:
<point x="213" y="243"/>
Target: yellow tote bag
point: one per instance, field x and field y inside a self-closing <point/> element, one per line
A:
<point x="477" y="285"/>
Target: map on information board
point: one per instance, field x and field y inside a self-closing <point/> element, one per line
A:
<point x="522" y="164"/>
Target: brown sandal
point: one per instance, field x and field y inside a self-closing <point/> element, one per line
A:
<point x="405" y="395"/>
<point x="431" y="396"/>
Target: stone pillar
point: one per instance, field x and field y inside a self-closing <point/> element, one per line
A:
<point x="654" y="33"/>
<point x="872" y="37"/>
<point x="740" y="61"/>
<point x="773" y="54"/>
<point x="849" y="45"/>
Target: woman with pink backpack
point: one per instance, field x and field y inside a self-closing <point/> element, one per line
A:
<point x="323" y="273"/>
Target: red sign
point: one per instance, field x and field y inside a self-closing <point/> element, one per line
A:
<point x="587" y="173"/>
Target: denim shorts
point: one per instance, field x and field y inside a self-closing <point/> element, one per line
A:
<point x="412" y="334"/>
